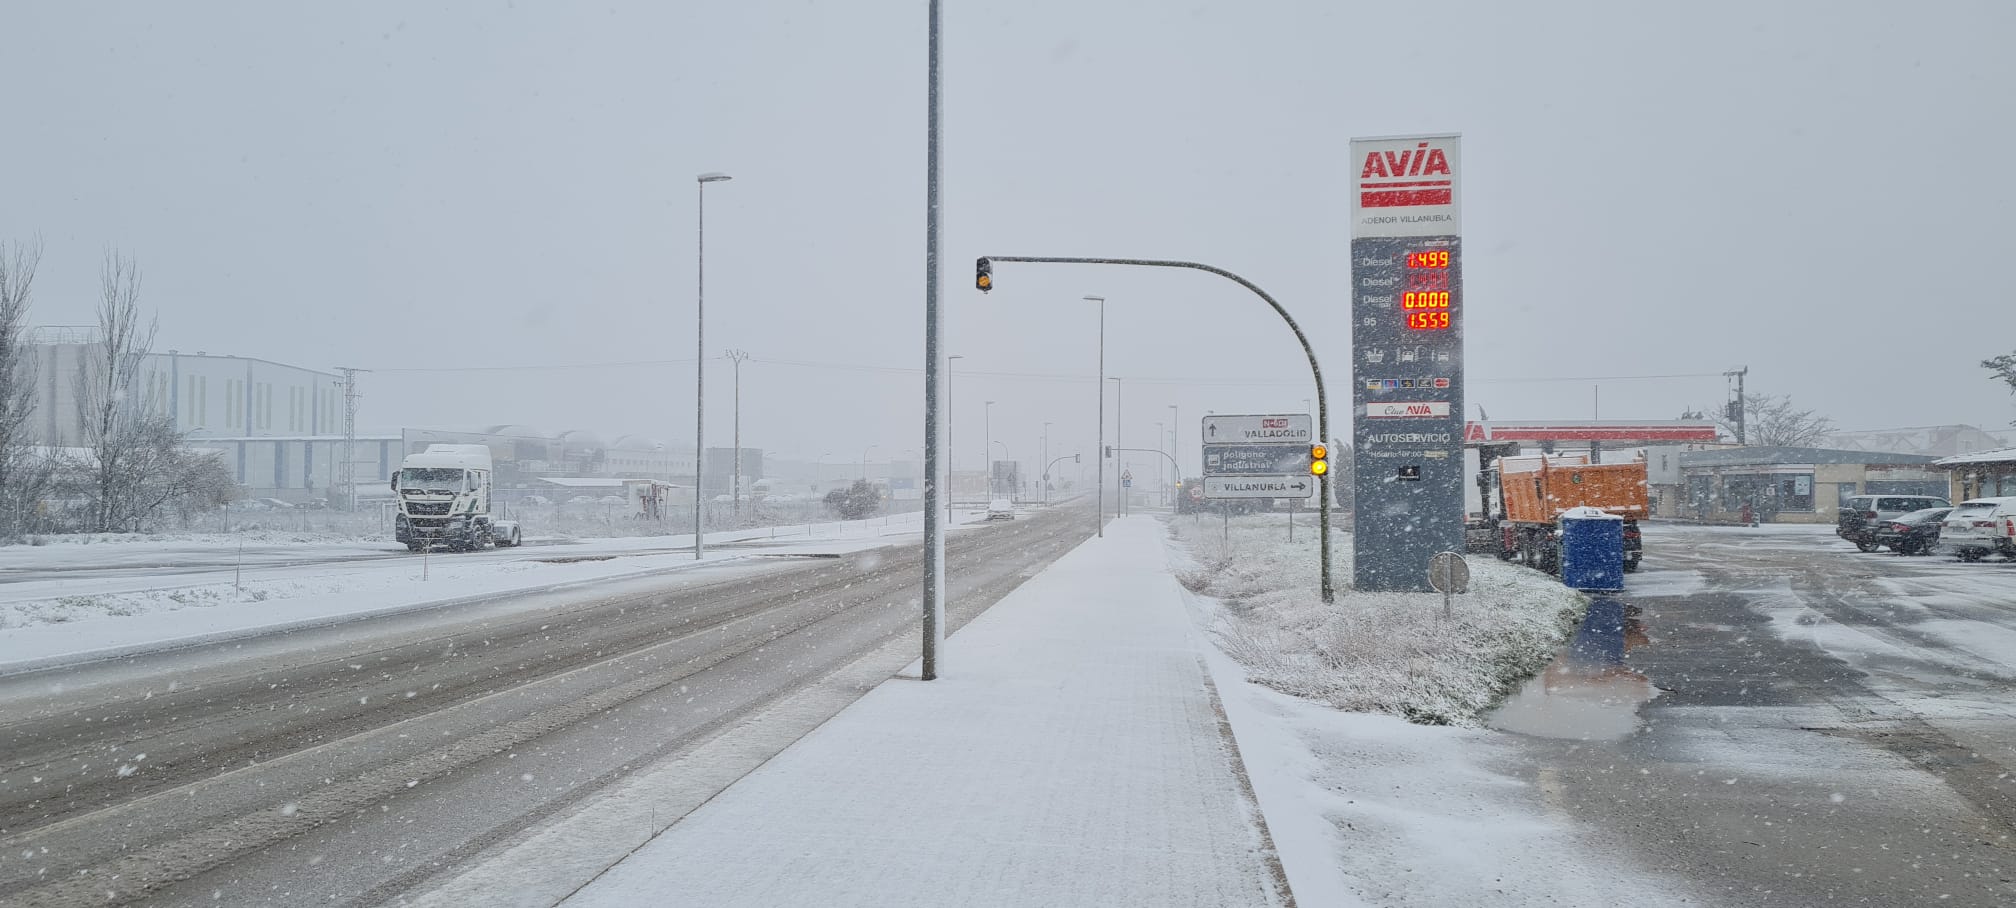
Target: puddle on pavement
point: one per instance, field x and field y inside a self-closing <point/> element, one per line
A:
<point x="1587" y="692"/>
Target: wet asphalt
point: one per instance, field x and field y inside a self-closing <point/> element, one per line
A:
<point x="1772" y="718"/>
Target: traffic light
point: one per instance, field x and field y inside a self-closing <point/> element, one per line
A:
<point x="983" y="275"/>
<point x="1109" y="452"/>
<point x="1319" y="460"/>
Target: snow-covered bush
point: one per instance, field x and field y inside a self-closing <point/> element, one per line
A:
<point x="1372" y="652"/>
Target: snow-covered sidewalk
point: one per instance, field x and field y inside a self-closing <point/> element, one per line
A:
<point x="1073" y="752"/>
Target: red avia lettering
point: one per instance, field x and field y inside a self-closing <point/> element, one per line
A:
<point x="1273" y="424"/>
<point x="1421" y="161"/>
<point x="1395" y="168"/>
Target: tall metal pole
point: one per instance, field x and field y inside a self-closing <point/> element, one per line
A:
<point x="1119" y="441"/>
<point x="1315" y="370"/>
<point x="737" y="356"/>
<point x="349" y="485"/>
<point x="948" y="436"/>
<point x="1099" y="456"/>
<point x="1046" y="459"/>
<point x="934" y="335"/>
<point x="987" y="445"/>
<point x="700" y="363"/>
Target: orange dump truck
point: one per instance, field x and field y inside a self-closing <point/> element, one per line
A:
<point x="1534" y="492"/>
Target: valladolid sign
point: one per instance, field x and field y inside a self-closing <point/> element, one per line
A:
<point x="1406" y="357"/>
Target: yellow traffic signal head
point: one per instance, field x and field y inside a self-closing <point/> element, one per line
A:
<point x="1319" y="452"/>
<point x="983" y="275"/>
<point x="1318" y="467"/>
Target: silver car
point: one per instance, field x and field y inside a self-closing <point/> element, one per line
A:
<point x="1979" y="527"/>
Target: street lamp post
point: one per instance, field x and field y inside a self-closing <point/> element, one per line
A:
<point x="1005" y="458"/>
<point x="1099" y="454"/>
<point x="736" y="357"/>
<point x="1046" y="459"/>
<point x="987" y="445"/>
<point x="1119" y="441"/>
<point x="1175" y="426"/>
<point x="949" y="467"/>
<point x="700" y="363"/>
<point x="864" y="461"/>
<point x="1159" y="483"/>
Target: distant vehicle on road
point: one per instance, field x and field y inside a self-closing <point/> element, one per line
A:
<point x="1861" y="515"/>
<point x="535" y="501"/>
<point x="274" y="504"/>
<point x="1979" y="527"/>
<point x="1001" y="509"/>
<point x="1912" y="534"/>
<point x="444" y="498"/>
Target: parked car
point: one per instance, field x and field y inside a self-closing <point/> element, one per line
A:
<point x="1001" y="509"/>
<point x="275" y="504"/>
<point x="1915" y="533"/>
<point x="1979" y="527"/>
<point x="1861" y="514"/>
<point x="535" y="501"/>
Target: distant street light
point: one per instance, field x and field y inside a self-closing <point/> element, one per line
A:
<point x="1119" y="440"/>
<point x="864" y="460"/>
<point x="948" y="435"/>
<point x="987" y="445"/>
<point x="1099" y="453"/>
<point x="700" y="364"/>
<point x="736" y="357"/>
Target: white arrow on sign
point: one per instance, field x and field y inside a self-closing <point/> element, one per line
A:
<point x="1283" y="486"/>
<point x="1279" y="428"/>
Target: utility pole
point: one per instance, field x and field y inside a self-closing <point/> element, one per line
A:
<point x="1736" y="407"/>
<point x="1099" y="456"/>
<point x="735" y="492"/>
<point x="700" y="360"/>
<point x="1046" y="459"/>
<point x="349" y="435"/>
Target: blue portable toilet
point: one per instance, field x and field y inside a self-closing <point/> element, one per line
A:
<point x="1592" y="549"/>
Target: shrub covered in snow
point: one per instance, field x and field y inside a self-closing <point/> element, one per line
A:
<point x="1372" y="652"/>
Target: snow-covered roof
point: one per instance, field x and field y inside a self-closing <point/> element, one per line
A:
<point x="1999" y="455"/>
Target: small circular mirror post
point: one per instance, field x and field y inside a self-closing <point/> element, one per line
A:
<point x="1448" y="574"/>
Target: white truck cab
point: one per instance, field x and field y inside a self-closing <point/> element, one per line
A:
<point x="444" y="500"/>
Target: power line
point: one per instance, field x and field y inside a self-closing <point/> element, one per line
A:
<point x="1060" y="377"/>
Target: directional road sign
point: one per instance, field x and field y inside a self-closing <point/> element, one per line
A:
<point x="1277" y="429"/>
<point x="1252" y="460"/>
<point x="1301" y="486"/>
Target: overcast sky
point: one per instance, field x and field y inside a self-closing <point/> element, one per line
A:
<point x="1818" y="191"/>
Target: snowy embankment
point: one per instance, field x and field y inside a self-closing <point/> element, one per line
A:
<point x="1388" y="653"/>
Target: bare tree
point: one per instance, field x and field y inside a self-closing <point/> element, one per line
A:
<point x="114" y="413"/>
<point x="2004" y="367"/>
<point x="22" y="472"/>
<point x="1773" y="421"/>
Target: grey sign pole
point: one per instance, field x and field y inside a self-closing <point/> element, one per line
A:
<point x="934" y="335"/>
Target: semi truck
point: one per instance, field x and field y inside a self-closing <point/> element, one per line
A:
<point x="1530" y="494"/>
<point x="444" y="500"/>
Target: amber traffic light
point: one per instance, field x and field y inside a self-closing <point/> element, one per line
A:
<point x="983" y="275"/>
<point x="1319" y="460"/>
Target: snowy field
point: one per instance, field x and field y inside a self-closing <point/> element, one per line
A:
<point x="103" y="598"/>
<point x="1391" y="653"/>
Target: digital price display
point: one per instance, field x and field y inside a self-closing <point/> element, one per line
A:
<point x="1425" y="298"/>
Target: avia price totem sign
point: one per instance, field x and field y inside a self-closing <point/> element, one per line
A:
<point x="1406" y="357"/>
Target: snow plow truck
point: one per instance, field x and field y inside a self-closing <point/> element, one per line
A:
<point x="1531" y="493"/>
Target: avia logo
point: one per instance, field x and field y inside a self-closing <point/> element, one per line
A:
<point x="1408" y="410"/>
<point x="1414" y="163"/>
<point x="1389" y="178"/>
<point x="1274" y="424"/>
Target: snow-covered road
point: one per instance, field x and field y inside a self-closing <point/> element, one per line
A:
<point x="351" y="760"/>
<point x="1824" y="726"/>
